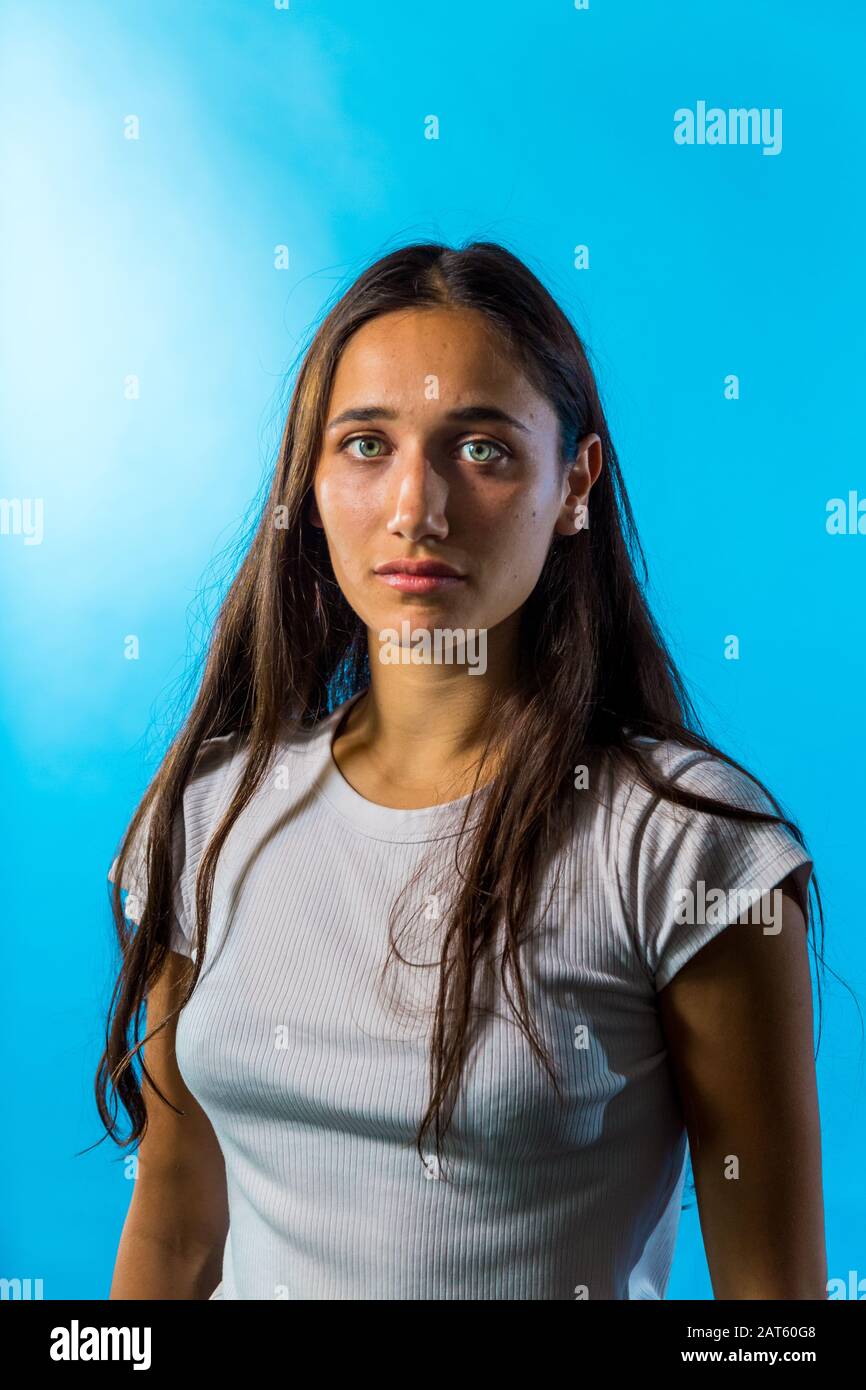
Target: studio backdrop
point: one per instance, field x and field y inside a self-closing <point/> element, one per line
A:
<point x="187" y="189"/>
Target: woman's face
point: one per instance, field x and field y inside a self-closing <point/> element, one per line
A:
<point x="436" y="447"/>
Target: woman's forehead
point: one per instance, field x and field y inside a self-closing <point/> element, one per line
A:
<point x="433" y="355"/>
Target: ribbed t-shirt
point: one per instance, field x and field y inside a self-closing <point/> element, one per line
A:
<point x="315" y="1083"/>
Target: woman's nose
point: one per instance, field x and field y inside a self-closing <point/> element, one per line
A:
<point x="421" y="498"/>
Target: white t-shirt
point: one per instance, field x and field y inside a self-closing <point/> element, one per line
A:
<point x="315" y="1085"/>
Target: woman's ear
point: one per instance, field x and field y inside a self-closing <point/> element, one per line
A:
<point x="574" y="513"/>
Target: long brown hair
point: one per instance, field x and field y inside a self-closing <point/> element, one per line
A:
<point x="286" y="650"/>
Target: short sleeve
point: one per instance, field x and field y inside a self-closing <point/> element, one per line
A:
<point x="686" y="875"/>
<point x="135" y="883"/>
<point x="204" y="798"/>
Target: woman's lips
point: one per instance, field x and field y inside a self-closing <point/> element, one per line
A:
<point x="420" y="583"/>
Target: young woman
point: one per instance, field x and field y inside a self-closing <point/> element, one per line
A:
<point x="446" y="950"/>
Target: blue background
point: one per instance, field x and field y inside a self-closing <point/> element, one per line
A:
<point x="305" y="127"/>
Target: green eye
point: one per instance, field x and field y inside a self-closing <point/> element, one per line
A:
<point x="361" y="440"/>
<point x="484" y="444"/>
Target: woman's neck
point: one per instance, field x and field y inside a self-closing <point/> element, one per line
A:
<point x="412" y="743"/>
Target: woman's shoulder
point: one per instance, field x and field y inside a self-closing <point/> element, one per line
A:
<point x="221" y="760"/>
<point x="212" y="759"/>
<point x="627" y="798"/>
<point x="204" y="790"/>
<point x="215" y="752"/>
<point x="706" y="772"/>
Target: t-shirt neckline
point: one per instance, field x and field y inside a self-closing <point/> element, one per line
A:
<point x="413" y="825"/>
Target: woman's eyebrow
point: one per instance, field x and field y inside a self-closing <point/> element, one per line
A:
<point x="465" y="414"/>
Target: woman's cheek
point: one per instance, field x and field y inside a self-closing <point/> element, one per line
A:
<point x="358" y="509"/>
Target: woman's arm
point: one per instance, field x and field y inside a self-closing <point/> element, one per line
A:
<point x="738" y="1023"/>
<point x="173" y="1237"/>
